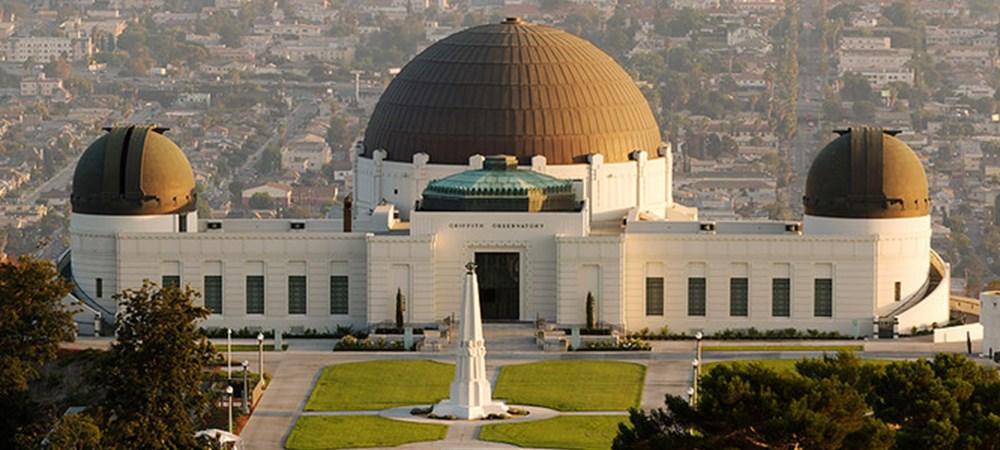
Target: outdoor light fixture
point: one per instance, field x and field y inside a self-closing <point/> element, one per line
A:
<point x="260" y="353"/>
<point x="246" y="388"/>
<point x="229" y="393"/>
<point x="229" y="353"/>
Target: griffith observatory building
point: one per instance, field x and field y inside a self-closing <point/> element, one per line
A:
<point x="532" y="153"/>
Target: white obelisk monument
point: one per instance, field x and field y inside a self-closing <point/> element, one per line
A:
<point x="470" y="390"/>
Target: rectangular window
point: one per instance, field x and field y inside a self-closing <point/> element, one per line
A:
<point x="173" y="281"/>
<point x="182" y="224"/>
<point x="823" y="297"/>
<point x="739" y="293"/>
<point x="213" y="293"/>
<point x="338" y="294"/>
<point x="781" y="297"/>
<point x="899" y="291"/>
<point x="255" y="294"/>
<point x="99" y="287"/>
<point x="296" y="294"/>
<point x="654" y="296"/>
<point x="696" y="296"/>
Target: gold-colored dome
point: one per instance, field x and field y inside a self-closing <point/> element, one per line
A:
<point x="133" y="170"/>
<point x="867" y="173"/>
<point x="512" y="88"/>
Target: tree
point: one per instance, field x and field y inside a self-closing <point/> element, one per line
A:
<point x="152" y="374"/>
<point x="864" y="111"/>
<point x="949" y="402"/>
<point x="59" y="69"/>
<point x="591" y="311"/>
<point x="901" y="14"/>
<point x="399" y="308"/>
<point x="856" y="88"/>
<point x="270" y="160"/>
<point x="33" y="320"/>
<point x="75" y="432"/>
<point x="260" y="200"/>
<point x="750" y="406"/>
<point x="338" y="135"/>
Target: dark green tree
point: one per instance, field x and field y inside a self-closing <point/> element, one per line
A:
<point x="856" y="88"/>
<point x="749" y="406"/>
<point x="152" y="375"/>
<point x="901" y="14"/>
<point x="33" y="320"/>
<point x="270" y="160"/>
<point x="74" y="432"/>
<point x="260" y="200"/>
<point x="399" y="308"/>
<point x="591" y="311"/>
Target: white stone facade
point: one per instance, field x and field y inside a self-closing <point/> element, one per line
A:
<point x="560" y="256"/>
<point x="989" y="317"/>
<point x="648" y="262"/>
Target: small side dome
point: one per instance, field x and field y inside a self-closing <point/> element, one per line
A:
<point x="133" y="170"/>
<point x="500" y="186"/>
<point x="867" y="173"/>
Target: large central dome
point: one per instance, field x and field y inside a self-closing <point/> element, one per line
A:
<point x="512" y="88"/>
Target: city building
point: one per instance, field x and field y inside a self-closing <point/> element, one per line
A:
<point x="865" y="42"/>
<point x="307" y="152"/>
<point x="40" y="86"/>
<point x="42" y="49"/>
<point x="532" y="153"/>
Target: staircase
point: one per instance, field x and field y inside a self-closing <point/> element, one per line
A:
<point x="510" y="337"/>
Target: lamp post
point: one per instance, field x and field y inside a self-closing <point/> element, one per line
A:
<point x="260" y="354"/>
<point x="229" y="393"/>
<point x="690" y="392"/>
<point x="695" y="365"/>
<point x="246" y="388"/>
<point x="229" y="353"/>
<point x="698" y="337"/>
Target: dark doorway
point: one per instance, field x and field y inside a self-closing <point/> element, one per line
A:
<point x="499" y="285"/>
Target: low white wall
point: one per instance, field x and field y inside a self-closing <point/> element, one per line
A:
<point x="958" y="333"/>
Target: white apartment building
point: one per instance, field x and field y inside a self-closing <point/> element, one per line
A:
<point x="46" y="49"/>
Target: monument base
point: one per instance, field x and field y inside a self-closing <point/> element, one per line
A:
<point x="447" y="408"/>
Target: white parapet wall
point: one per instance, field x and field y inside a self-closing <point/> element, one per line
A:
<point x="959" y="333"/>
<point x="989" y="317"/>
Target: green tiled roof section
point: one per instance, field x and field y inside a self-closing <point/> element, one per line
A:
<point x="500" y="186"/>
<point x="499" y="183"/>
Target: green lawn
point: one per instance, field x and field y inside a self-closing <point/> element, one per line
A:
<point x="781" y="365"/>
<point x="784" y="348"/>
<point x="569" y="432"/>
<point x="328" y="432"/>
<point x="573" y="385"/>
<point x="374" y="385"/>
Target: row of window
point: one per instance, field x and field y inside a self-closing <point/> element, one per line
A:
<point x="739" y="297"/>
<point x="297" y="293"/>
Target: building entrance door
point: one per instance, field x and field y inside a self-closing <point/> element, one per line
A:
<point x="499" y="285"/>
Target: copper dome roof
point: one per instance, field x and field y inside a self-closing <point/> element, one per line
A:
<point x="512" y="88"/>
<point x="133" y="170"/>
<point x="866" y="173"/>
